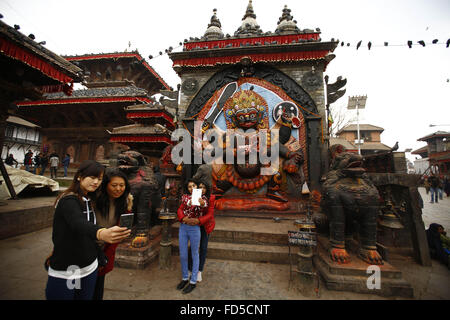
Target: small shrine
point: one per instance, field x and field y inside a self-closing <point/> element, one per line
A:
<point x="255" y="81"/>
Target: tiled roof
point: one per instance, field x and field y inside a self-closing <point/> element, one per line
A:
<point x="362" y="127"/>
<point x="101" y="92"/>
<point x="437" y="134"/>
<point x="47" y="55"/>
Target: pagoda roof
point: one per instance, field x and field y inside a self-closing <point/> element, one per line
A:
<point x="255" y="49"/>
<point x="437" y="134"/>
<point x="140" y="129"/>
<point x="424" y="149"/>
<point x="150" y="113"/>
<point x="17" y="46"/>
<point x="93" y="95"/>
<point x="121" y="55"/>
<point x="362" y="127"/>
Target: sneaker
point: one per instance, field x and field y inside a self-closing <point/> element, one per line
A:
<point x="199" y="276"/>
<point x="189" y="288"/>
<point x="182" y="284"/>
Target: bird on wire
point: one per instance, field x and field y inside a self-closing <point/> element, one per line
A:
<point x="448" y="43"/>
<point x="358" y="45"/>
<point x="369" y="45"/>
<point x="435" y="41"/>
<point x="386" y="44"/>
<point x="421" y="42"/>
<point x="409" y="44"/>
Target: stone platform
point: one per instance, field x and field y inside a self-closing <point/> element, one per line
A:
<point x="253" y="239"/>
<point x="353" y="276"/>
<point x="138" y="258"/>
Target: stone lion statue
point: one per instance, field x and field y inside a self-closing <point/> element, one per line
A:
<point x="143" y="185"/>
<point x="350" y="199"/>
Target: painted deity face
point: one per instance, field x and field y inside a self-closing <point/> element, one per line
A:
<point x="191" y="186"/>
<point x="116" y="187"/>
<point x="246" y="109"/>
<point x="90" y="184"/>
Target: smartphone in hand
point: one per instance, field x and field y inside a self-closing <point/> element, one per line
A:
<point x="126" y="220"/>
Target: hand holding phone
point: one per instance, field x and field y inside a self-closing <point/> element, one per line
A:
<point x="126" y="220"/>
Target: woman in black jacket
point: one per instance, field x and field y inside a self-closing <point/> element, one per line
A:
<point x="72" y="271"/>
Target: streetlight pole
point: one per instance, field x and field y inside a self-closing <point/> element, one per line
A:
<point x="357" y="102"/>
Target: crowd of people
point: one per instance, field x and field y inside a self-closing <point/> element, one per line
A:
<point x="86" y="232"/>
<point x="39" y="163"/>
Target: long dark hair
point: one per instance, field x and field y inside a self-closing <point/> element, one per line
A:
<point x="186" y="191"/>
<point x="208" y="189"/>
<point x="102" y="200"/>
<point x="88" y="168"/>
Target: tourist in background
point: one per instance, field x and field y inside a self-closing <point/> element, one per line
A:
<point x="113" y="199"/>
<point x="447" y="185"/>
<point x="37" y="163"/>
<point x="207" y="224"/>
<point x="72" y="267"/>
<point x="27" y="161"/>
<point x="189" y="232"/>
<point x="440" y="187"/>
<point x="10" y="160"/>
<point x="65" y="163"/>
<point x="434" y="185"/>
<point x="44" y="163"/>
<point x="54" y="162"/>
<point x="426" y="184"/>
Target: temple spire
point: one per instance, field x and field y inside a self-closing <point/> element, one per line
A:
<point x="286" y="24"/>
<point x="249" y="25"/>
<point x="214" y="31"/>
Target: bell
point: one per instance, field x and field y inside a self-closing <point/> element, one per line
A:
<point x="390" y="220"/>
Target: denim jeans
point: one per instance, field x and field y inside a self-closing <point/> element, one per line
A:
<point x="203" y="250"/>
<point x="57" y="288"/>
<point x="65" y="171"/>
<point x="53" y="171"/>
<point x="434" y="194"/>
<point x="190" y="234"/>
<point x="43" y="170"/>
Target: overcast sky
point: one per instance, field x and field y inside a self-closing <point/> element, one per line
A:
<point x="407" y="89"/>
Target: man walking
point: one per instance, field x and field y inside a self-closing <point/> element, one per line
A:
<point x="54" y="161"/>
<point x="27" y="161"/>
<point x="434" y="185"/>
<point x="65" y="163"/>
<point x="44" y="163"/>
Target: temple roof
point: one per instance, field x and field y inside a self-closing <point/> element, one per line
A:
<point x="130" y="91"/>
<point x="424" y="149"/>
<point x="362" y="127"/>
<point x="125" y="64"/>
<point x="437" y="134"/>
<point x="11" y="35"/>
<point x="140" y="129"/>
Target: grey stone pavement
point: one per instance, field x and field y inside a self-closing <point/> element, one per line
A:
<point x="22" y="276"/>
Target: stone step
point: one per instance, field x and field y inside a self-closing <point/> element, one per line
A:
<point x="244" y="252"/>
<point x="248" y="231"/>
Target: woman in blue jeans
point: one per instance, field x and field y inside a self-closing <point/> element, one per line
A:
<point x="207" y="224"/>
<point x="189" y="232"/>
